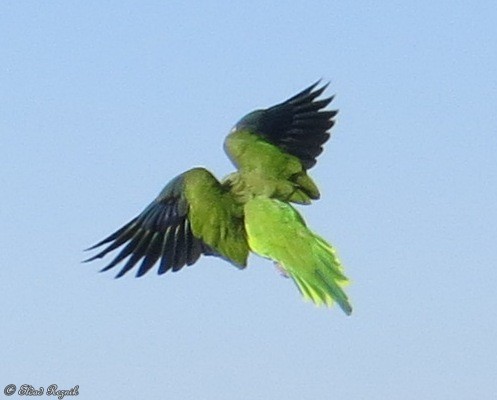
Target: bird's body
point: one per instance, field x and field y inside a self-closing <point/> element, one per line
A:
<point x="266" y="170"/>
<point x="249" y="210"/>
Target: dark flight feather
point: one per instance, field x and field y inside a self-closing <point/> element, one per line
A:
<point x="299" y="125"/>
<point x="161" y="232"/>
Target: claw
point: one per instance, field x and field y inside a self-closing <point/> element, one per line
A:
<point x="281" y="269"/>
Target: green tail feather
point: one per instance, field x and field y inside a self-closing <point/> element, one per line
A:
<point x="275" y="230"/>
<point x="323" y="283"/>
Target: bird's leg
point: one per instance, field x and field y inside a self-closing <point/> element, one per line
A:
<point x="281" y="269"/>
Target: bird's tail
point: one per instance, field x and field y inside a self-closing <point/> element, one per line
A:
<point x="323" y="280"/>
<point x="276" y="230"/>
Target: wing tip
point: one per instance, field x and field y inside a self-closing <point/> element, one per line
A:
<point x="310" y="92"/>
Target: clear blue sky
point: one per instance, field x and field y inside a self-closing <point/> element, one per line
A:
<point x="101" y="103"/>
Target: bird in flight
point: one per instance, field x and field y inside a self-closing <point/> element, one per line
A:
<point x="249" y="210"/>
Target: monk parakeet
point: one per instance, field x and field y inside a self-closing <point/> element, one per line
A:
<point x="249" y="210"/>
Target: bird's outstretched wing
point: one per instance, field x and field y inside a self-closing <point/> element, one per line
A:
<point x="273" y="148"/>
<point x="193" y="215"/>
<point x="299" y="126"/>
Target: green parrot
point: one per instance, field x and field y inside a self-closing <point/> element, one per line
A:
<point x="248" y="211"/>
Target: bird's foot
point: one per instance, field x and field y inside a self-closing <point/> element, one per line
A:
<point x="281" y="269"/>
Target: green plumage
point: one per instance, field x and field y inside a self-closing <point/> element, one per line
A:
<point x="276" y="231"/>
<point x="266" y="170"/>
<point x="249" y="210"/>
<point x="215" y="217"/>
